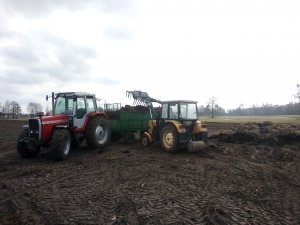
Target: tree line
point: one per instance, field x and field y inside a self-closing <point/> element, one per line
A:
<point x="213" y="109"/>
<point x="13" y="110"/>
<point x="266" y="109"/>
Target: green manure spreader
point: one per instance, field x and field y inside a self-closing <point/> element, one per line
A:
<point x="127" y="123"/>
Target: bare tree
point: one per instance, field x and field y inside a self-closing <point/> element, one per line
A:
<point x="212" y="102"/>
<point x="33" y="108"/>
<point x="15" y="109"/>
<point x="6" y="108"/>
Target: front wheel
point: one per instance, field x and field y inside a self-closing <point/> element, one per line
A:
<point x="98" y="133"/>
<point x="169" y="138"/>
<point x="22" y="147"/>
<point x="60" y="144"/>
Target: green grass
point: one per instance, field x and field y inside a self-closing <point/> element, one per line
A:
<point x="245" y="119"/>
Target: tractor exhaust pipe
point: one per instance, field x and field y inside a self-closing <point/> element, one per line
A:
<point x="196" y="146"/>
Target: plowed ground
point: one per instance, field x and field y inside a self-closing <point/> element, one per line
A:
<point x="228" y="183"/>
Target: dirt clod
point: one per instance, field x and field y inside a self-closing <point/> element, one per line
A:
<point x="261" y="133"/>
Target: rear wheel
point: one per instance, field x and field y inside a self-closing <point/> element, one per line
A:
<point x="22" y="148"/>
<point x="60" y="144"/>
<point x="169" y="138"/>
<point x="98" y="133"/>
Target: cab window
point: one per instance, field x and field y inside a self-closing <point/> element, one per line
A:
<point x="174" y="111"/>
<point x="183" y="111"/>
<point x="60" y="105"/>
<point x="81" y="109"/>
<point x="70" y="106"/>
<point x="164" y="111"/>
<point x="90" y="104"/>
<point x="192" y="111"/>
<point x="188" y="111"/>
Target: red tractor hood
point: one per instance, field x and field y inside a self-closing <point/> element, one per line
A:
<point x="55" y="120"/>
<point x="49" y="122"/>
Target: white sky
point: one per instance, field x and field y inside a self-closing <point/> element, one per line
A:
<point x="241" y="52"/>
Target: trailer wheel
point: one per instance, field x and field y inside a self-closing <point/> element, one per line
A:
<point x="60" y="144"/>
<point x="169" y="138"/>
<point x="145" y="140"/>
<point x="23" y="151"/>
<point x="98" y="132"/>
<point x="129" y="138"/>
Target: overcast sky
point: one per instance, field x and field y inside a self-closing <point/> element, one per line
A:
<point x="239" y="51"/>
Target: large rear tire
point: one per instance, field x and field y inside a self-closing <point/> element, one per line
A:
<point x="169" y="138"/>
<point x="98" y="133"/>
<point x="22" y="148"/>
<point x="60" y="144"/>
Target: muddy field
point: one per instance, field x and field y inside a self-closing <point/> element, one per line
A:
<point x="242" y="178"/>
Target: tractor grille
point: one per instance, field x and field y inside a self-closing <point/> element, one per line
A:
<point x="34" y="128"/>
<point x="189" y="130"/>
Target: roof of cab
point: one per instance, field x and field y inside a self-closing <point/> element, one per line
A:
<point x="179" y="101"/>
<point x="75" y="93"/>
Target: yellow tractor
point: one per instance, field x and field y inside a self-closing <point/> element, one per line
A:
<point x="176" y="125"/>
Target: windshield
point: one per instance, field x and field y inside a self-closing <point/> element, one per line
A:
<point x="64" y="105"/>
<point x="188" y="111"/>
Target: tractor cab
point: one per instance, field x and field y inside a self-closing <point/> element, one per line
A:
<point x="76" y="105"/>
<point x="179" y="110"/>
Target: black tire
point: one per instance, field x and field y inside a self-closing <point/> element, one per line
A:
<point x="23" y="151"/>
<point x="169" y="138"/>
<point x="60" y="144"/>
<point x="129" y="138"/>
<point x="145" y="140"/>
<point x="98" y="133"/>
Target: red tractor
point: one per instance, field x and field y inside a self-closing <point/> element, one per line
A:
<point x="75" y="119"/>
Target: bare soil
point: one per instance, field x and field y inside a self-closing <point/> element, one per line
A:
<point x="231" y="182"/>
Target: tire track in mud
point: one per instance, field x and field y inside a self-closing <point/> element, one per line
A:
<point x="74" y="194"/>
<point x="89" y="201"/>
<point x="60" y="196"/>
<point x="167" y="203"/>
<point x="78" y="189"/>
<point x="262" y="195"/>
<point x="232" y="208"/>
<point x="5" y="148"/>
<point x="34" y="185"/>
<point x="278" y="196"/>
<point x="155" y="195"/>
